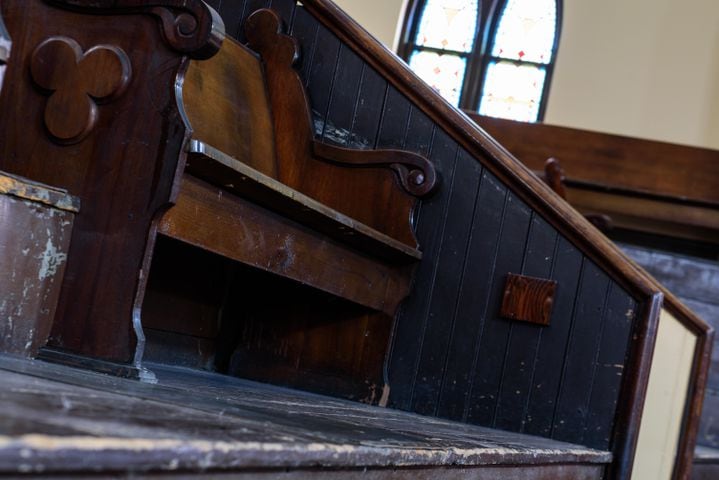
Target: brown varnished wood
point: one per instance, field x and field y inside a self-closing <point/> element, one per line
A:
<point x="528" y="299"/>
<point x="234" y="176"/>
<point x="216" y="220"/>
<point x="345" y="190"/>
<point x="612" y="160"/>
<point x="554" y="176"/>
<point x="643" y="185"/>
<point x="125" y="167"/>
<point x="226" y="103"/>
<point x="76" y="82"/>
<point x="188" y="27"/>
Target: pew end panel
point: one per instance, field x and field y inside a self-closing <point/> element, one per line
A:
<point x="89" y="106"/>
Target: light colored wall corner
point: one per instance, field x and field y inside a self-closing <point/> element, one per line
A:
<point x="645" y="68"/>
<point x="381" y="18"/>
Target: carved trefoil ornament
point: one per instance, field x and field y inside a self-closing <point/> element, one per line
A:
<point x="76" y="83"/>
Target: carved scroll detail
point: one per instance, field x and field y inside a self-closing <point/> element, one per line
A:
<point x="189" y="26"/>
<point x="77" y="82"/>
<point x="416" y="174"/>
<point x="263" y="29"/>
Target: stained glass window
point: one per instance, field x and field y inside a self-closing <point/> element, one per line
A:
<point x="448" y="25"/>
<point x="507" y="75"/>
<point x="443" y="43"/>
<point x="526" y="31"/>
<point x="522" y="49"/>
<point x="443" y="72"/>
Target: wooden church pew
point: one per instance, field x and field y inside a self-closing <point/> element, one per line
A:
<point x="363" y="240"/>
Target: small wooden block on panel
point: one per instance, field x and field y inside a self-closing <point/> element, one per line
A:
<point x="528" y="299"/>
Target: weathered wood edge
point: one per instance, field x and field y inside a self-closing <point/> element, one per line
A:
<point x="634" y="387"/>
<point x="26" y="189"/>
<point x="189" y="26"/>
<point x="697" y="384"/>
<point x="237" y="455"/>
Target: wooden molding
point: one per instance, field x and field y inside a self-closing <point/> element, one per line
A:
<point x="76" y="83"/>
<point x="188" y="26"/>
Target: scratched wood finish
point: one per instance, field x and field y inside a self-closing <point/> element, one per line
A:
<point x="215" y="220"/>
<point x="528" y="299"/>
<point x="401" y="112"/>
<point x="120" y="157"/>
<point x="233" y="426"/>
<point x="35" y="229"/>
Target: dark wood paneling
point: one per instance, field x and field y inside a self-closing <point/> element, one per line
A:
<point x="321" y="75"/>
<point x="394" y="121"/>
<point x="552" y="347"/>
<point x="305" y="30"/>
<point x="492" y="346"/>
<point x="343" y="100"/>
<point x="408" y="343"/>
<point x="609" y="368"/>
<point x="581" y="354"/>
<point x="522" y="350"/>
<point x="472" y="304"/>
<point x="370" y="102"/>
<point x="442" y="297"/>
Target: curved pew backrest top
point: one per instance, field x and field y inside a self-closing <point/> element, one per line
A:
<point x="583" y="377"/>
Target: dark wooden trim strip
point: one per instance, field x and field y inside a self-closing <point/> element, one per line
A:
<point x="626" y="427"/>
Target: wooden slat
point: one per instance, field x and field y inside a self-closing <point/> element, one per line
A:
<point x="373" y="90"/>
<point x="408" y="337"/>
<point x="443" y="295"/>
<point x="492" y="347"/>
<point x="236" y="177"/>
<point x="581" y="355"/>
<point x="473" y="299"/>
<point x="519" y="368"/>
<point x="552" y="346"/>
<point x="343" y="100"/>
<point x="215" y="220"/>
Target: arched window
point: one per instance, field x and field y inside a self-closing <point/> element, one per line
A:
<point x="491" y="56"/>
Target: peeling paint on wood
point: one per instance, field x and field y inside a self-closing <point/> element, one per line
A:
<point x="35" y="227"/>
<point x="29" y="190"/>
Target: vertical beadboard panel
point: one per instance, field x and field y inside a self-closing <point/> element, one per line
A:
<point x="411" y="324"/>
<point x="451" y="260"/>
<point x="518" y="371"/>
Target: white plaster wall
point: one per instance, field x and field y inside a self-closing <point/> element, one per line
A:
<point x="644" y="68"/>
